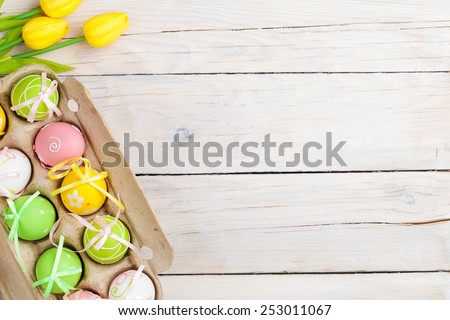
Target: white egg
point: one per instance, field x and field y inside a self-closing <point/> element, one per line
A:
<point x="15" y="170"/>
<point x="125" y="287"/>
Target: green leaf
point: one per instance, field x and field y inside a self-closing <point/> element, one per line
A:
<point x="55" y="66"/>
<point x="12" y="35"/>
<point x="11" y="64"/>
<point x="1" y="3"/>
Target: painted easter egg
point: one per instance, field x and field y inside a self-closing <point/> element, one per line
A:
<point x="2" y="121"/>
<point x="83" y="199"/>
<point x="36" y="220"/>
<point x="82" y="295"/>
<point x="124" y="287"/>
<point x="112" y="250"/>
<point x="57" y="142"/>
<point x="28" y="88"/>
<point x="69" y="259"/>
<point x="15" y="170"/>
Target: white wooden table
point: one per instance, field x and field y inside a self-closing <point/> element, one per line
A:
<point x="372" y="72"/>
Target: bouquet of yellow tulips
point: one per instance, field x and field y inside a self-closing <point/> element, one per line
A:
<point x="42" y="30"/>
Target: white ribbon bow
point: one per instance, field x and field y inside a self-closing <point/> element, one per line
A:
<point x="102" y="235"/>
<point x="43" y="96"/>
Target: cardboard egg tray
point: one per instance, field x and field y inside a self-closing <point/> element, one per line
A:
<point x="138" y="217"/>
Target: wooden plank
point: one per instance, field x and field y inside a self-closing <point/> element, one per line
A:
<point x="293" y="38"/>
<point x="390" y="121"/>
<point x="304" y="223"/>
<point x="347" y="48"/>
<point x="155" y="16"/>
<point x="308" y="287"/>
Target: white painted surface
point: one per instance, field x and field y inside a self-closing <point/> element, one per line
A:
<point x="274" y="223"/>
<point x="390" y="121"/>
<point x="304" y="287"/>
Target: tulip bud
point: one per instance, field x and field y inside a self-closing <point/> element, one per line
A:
<point x="102" y="30"/>
<point x="42" y="32"/>
<point x="59" y="8"/>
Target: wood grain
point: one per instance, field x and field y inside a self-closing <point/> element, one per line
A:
<point x="390" y="121"/>
<point x="349" y="48"/>
<point x="309" y="287"/>
<point x="173" y="15"/>
<point x="341" y="62"/>
<point x="292" y="36"/>
<point x="304" y="223"/>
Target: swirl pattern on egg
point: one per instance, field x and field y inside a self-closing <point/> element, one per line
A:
<point x="128" y="287"/>
<point x="55" y="144"/>
<point x="58" y="142"/>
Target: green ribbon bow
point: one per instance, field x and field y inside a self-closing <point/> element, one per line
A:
<point x="55" y="275"/>
<point x="15" y="216"/>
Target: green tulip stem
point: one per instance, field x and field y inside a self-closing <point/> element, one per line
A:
<point x="7" y="17"/>
<point x="11" y="44"/>
<point x="29" y="14"/>
<point x="51" y="48"/>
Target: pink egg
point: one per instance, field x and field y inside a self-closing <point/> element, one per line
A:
<point x="82" y="295"/>
<point x="57" y="142"/>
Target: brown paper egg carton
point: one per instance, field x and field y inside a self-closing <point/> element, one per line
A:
<point x="138" y="217"/>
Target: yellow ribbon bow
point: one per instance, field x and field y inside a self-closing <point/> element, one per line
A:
<point x="88" y="177"/>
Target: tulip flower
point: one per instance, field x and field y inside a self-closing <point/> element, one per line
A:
<point x="15" y="23"/>
<point x="100" y="31"/>
<point x="52" y="8"/>
<point x="40" y="33"/>
<point x="59" y="8"/>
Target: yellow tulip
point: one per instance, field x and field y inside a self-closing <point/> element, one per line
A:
<point x="59" y="8"/>
<point x="42" y="32"/>
<point x="102" y="30"/>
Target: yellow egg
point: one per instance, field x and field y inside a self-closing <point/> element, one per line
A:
<point x="2" y="121"/>
<point x="83" y="199"/>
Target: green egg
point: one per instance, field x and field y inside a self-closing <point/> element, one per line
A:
<point x="68" y="259"/>
<point x="28" y="88"/>
<point x="112" y="251"/>
<point x="36" y="221"/>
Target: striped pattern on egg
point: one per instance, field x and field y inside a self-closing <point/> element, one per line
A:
<point x="30" y="87"/>
<point x="112" y="250"/>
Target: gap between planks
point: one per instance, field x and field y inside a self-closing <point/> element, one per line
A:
<point x="293" y="36"/>
<point x="301" y="273"/>
<point x="308" y="224"/>
<point x="341" y="49"/>
<point x="66" y="75"/>
<point x="308" y="287"/>
<point x="234" y="14"/>
<point x="284" y="172"/>
<point x="296" y="108"/>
